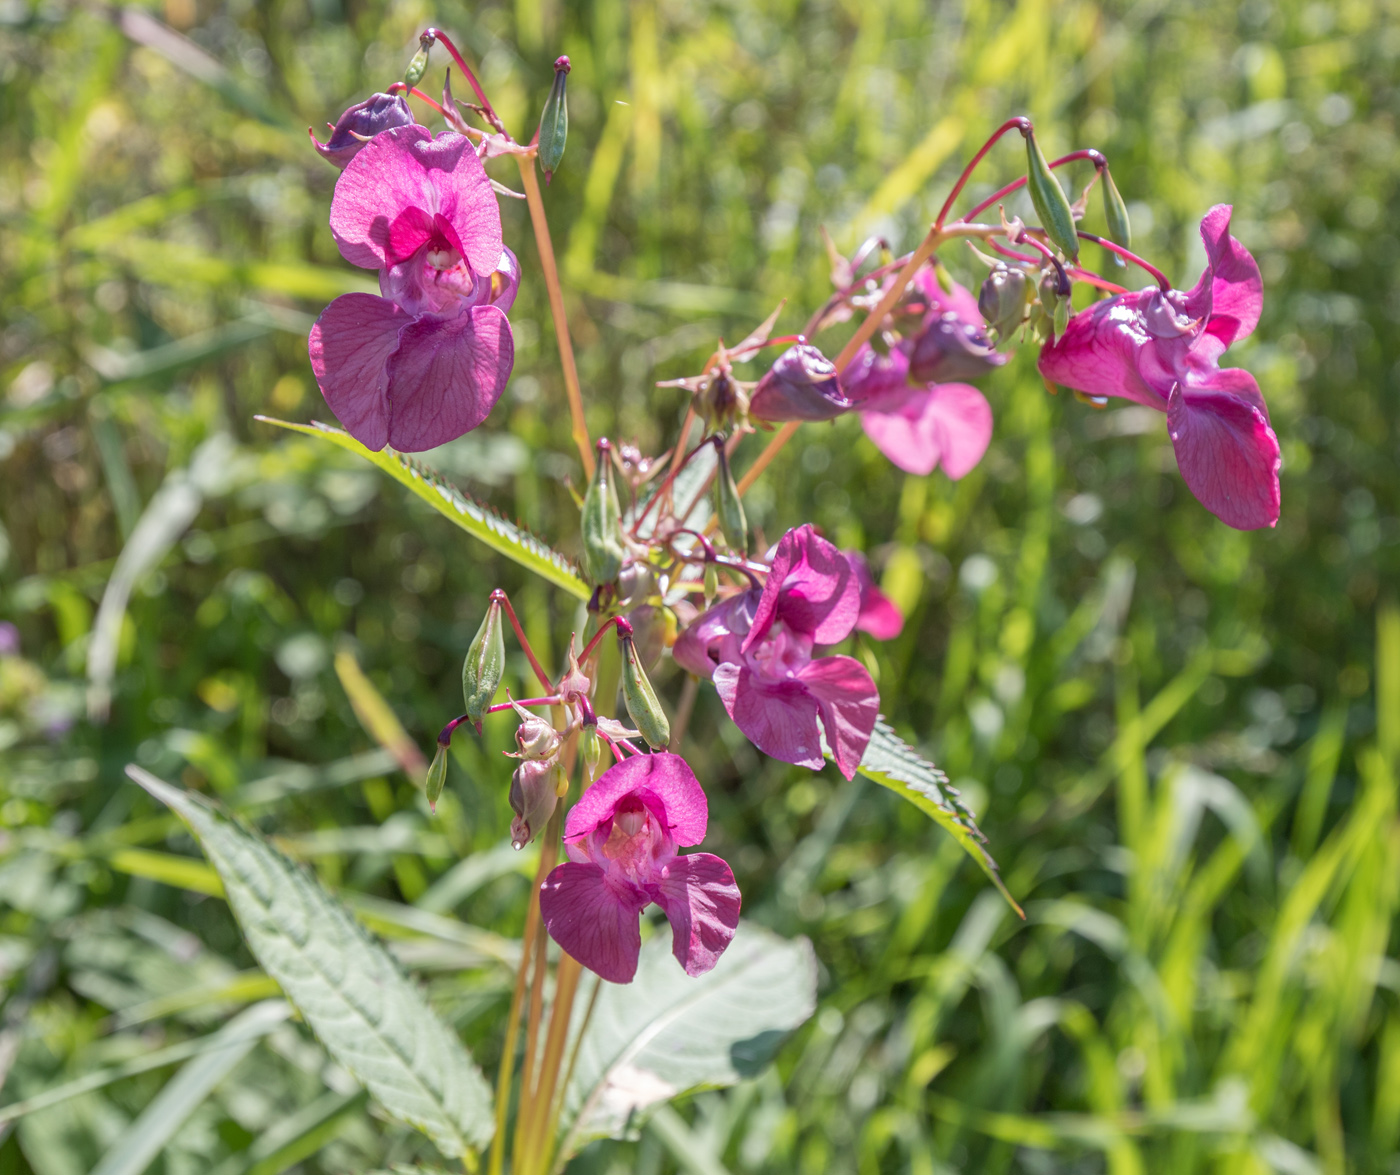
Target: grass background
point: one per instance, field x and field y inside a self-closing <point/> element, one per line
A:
<point x="1184" y="741"/>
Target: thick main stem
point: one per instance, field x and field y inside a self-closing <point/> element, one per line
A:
<point x="517" y="999"/>
<point x="545" y="246"/>
<point x="536" y="1149"/>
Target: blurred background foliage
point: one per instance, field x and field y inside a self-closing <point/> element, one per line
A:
<point x="1183" y="740"/>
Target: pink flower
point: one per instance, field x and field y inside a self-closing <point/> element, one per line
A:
<point x="621" y="838"/>
<point x="362" y="122"/>
<point x="918" y="428"/>
<point x="426" y="362"/>
<point x="1162" y="349"/>
<point x="878" y="614"/>
<point x="757" y="648"/>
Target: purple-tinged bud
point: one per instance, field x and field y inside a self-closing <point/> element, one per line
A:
<point x="536" y="738"/>
<point x="1002" y="300"/>
<point x="950" y="348"/>
<point x="359" y="124"/>
<point x="801" y="385"/>
<point x="532" y="799"/>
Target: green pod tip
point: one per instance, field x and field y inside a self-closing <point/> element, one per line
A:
<point x="1120" y="229"/>
<point x="554" y="121"/>
<point x="437" y="776"/>
<point x="1051" y="203"/>
<point x="642" y="704"/>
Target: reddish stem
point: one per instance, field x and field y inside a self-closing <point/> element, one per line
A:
<point x="554" y="701"/>
<point x="487" y="110"/>
<point x="444" y="737"/>
<point x="499" y="597"/>
<point x="1088" y="153"/>
<point x="624" y="628"/>
<point x="400" y="87"/>
<point x="669" y="479"/>
<point x="1160" y="277"/>
<point x="1019" y="123"/>
<point x="1082" y="275"/>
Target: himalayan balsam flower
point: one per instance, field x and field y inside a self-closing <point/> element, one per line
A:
<point x="951" y="342"/>
<point x="918" y="428"/>
<point x="426" y="362"/>
<point x="364" y="120"/>
<point x="1162" y="349"/>
<point x="621" y="838"/>
<point x="757" y="648"/>
<point x="801" y="385"/>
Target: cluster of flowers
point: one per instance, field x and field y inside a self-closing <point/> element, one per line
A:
<point x="427" y="360"/>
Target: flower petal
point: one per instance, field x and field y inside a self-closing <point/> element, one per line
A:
<point x="447" y="376"/>
<point x="1236" y="288"/>
<point x="703" y="644"/>
<point x="849" y="703"/>
<point x="811" y="589"/>
<point x="667" y="777"/>
<point x="947" y="424"/>
<point x="390" y="197"/>
<point x="780" y="718"/>
<point x="350" y="346"/>
<point x="871" y="376"/>
<point x="701" y="901"/>
<point x="878" y="614"/>
<point x="1098" y="353"/>
<point x="600" y="927"/>
<point x="1227" y="452"/>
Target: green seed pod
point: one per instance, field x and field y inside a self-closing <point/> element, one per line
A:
<point x="416" y="68"/>
<point x="1051" y="203"/>
<point x="591" y="747"/>
<point x="1050" y="303"/>
<point x="1120" y="230"/>
<point x="711" y="583"/>
<point x="1002" y="300"/>
<point x="485" y="665"/>
<point x="732" y="522"/>
<point x="646" y="712"/>
<point x="554" y="122"/>
<point x="437" y="776"/>
<point x="603" y="551"/>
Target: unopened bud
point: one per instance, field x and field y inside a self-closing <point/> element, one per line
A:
<point x="554" y="122"/>
<point x="360" y="123"/>
<point x="532" y="799"/>
<point x="485" y="665"/>
<point x="732" y="523"/>
<point x="591" y="747"/>
<point x="1002" y="300"/>
<point x="603" y="551"/>
<point x="1051" y="203"/>
<point x="801" y="385"/>
<point x="1120" y="230"/>
<point x="535" y="737"/>
<point x="642" y="705"/>
<point x="416" y="68"/>
<point x="437" y="776"/>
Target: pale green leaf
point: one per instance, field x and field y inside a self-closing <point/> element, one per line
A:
<point x="893" y="763"/>
<point x="476" y="518"/>
<point x="666" y="1033"/>
<point x="368" y="1014"/>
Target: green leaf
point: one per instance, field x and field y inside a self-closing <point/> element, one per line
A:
<point x="368" y="1014"/>
<point x="476" y="518"/>
<point x="666" y="1033"/>
<point x="893" y="763"/>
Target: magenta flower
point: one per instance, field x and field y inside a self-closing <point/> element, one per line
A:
<point x="878" y="614"/>
<point x="758" y="646"/>
<point x="621" y="838"/>
<point x="359" y="124"/>
<point x="801" y="385"/>
<point x="1162" y="349"/>
<point x="426" y="362"/>
<point x="918" y="428"/>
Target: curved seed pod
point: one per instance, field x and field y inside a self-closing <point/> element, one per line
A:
<point x="603" y="551"/>
<point x="642" y="705"/>
<point x="554" y="122"/>
<point x="1051" y="203"/>
<point x="485" y="665"/>
<point x="437" y="776"/>
<point x="416" y="68"/>
<point x="1120" y="229"/>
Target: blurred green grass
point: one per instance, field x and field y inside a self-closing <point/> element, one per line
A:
<point x="1183" y="741"/>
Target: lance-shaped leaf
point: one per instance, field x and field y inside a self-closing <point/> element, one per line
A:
<point x="476" y="518"/>
<point x="365" y="1010"/>
<point x="666" y="1033"/>
<point x="893" y="763"/>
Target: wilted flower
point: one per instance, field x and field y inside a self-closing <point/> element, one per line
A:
<point x="1162" y="349"/>
<point x="919" y="428"/>
<point x="359" y="124"/>
<point x="801" y="385"/>
<point x="426" y="362"/>
<point x="757" y="648"/>
<point x="621" y="838"/>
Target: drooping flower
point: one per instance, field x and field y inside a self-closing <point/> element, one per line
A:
<point x="879" y="616"/>
<point x="428" y="360"/>
<point x="621" y="839"/>
<point x="359" y="124"/>
<point x="801" y="385"/>
<point x="951" y="341"/>
<point x="1162" y="349"/>
<point x="919" y="428"/>
<point x="758" y="647"/>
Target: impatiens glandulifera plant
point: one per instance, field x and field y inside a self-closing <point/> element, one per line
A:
<point x="667" y="568"/>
